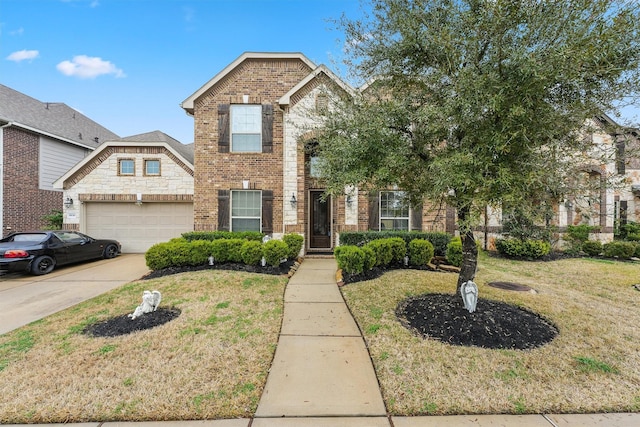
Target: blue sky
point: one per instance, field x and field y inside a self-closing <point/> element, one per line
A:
<point x="128" y="64"/>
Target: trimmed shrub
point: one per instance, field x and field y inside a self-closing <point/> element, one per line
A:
<point x="294" y="241"/>
<point x="216" y="235"/>
<point x="516" y="248"/>
<point x="398" y="249"/>
<point x="617" y="249"/>
<point x="383" y="250"/>
<point x="592" y="247"/>
<point x="454" y="252"/>
<point x="227" y="250"/>
<point x="439" y="240"/>
<point x="174" y="253"/>
<point x="369" y="258"/>
<point x="636" y="253"/>
<point x="275" y="251"/>
<point x="420" y="252"/>
<point x="350" y="259"/>
<point x="251" y="252"/>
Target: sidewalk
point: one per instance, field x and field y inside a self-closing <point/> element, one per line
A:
<point x="322" y="375"/>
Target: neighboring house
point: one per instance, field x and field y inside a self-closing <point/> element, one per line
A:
<point x="254" y="158"/>
<point x="39" y="141"/>
<point x="137" y="190"/>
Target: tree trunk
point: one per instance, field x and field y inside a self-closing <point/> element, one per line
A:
<point x="469" y="249"/>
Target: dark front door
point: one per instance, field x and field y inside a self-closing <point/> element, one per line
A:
<point x="320" y="221"/>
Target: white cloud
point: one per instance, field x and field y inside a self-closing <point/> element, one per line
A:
<point x="23" y="55"/>
<point x="87" y="67"/>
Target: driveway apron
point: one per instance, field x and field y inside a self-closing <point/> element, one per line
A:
<point x="25" y="298"/>
<point x="321" y="366"/>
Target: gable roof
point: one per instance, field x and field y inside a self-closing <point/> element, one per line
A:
<point x="321" y="69"/>
<point x="185" y="151"/>
<point x="182" y="154"/>
<point x="188" y="104"/>
<point x="53" y="119"/>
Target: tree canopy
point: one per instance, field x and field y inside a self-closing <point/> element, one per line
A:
<point x="477" y="102"/>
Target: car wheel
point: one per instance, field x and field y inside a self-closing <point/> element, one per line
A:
<point x="42" y="265"/>
<point x="110" y="251"/>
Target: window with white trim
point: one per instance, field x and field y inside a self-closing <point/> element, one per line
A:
<point x="246" y="128"/>
<point x="394" y="211"/>
<point x="246" y="210"/>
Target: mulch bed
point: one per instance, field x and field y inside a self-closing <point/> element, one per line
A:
<point x="281" y="269"/>
<point x="494" y="324"/>
<point x="123" y="325"/>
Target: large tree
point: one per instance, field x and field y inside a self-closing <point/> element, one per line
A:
<point x="477" y="102"/>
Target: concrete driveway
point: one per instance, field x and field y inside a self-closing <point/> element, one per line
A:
<point x="25" y="298"/>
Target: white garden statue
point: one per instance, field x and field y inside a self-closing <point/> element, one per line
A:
<point x="469" y="293"/>
<point x="150" y="302"/>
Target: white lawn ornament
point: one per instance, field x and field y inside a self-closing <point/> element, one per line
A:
<point x="469" y="293"/>
<point x="150" y="302"/>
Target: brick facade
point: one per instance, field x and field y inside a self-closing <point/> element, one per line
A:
<point x="24" y="203"/>
<point x="268" y="79"/>
<point x="264" y="82"/>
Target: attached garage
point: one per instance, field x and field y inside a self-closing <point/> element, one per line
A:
<point x="138" y="227"/>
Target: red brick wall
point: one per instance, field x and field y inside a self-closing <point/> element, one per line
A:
<point x="24" y="203"/>
<point x="265" y="81"/>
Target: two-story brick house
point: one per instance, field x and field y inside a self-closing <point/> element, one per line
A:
<point x="254" y="166"/>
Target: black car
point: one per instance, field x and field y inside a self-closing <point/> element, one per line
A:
<point x="39" y="252"/>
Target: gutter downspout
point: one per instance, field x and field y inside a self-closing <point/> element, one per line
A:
<point x="2" y="128"/>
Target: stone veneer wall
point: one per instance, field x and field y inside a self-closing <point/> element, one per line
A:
<point x="99" y="180"/>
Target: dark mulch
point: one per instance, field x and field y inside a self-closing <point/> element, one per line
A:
<point x="281" y="269"/>
<point x="123" y="325"/>
<point x="494" y="324"/>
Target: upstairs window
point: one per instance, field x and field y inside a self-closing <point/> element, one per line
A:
<point x="394" y="211"/>
<point x="246" y="128"/>
<point x="152" y="167"/>
<point x="126" y="167"/>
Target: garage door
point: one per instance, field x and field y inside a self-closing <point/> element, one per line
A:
<point x="138" y="227"/>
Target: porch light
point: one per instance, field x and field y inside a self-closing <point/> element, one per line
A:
<point x="293" y="200"/>
<point x="68" y="202"/>
<point x="349" y="200"/>
<point x="139" y="199"/>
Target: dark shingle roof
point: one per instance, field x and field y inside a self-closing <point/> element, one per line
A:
<point x="185" y="151"/>
<point x="52" y="118"/>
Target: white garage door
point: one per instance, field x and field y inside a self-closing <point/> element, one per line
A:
<point x="138" y="227"/>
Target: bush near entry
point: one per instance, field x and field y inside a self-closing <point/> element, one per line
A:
<point x="233" y="247"/>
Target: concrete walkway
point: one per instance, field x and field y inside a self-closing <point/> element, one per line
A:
<point x="322" y="375"/>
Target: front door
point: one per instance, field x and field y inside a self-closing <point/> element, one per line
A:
<point x="320" y="224"/>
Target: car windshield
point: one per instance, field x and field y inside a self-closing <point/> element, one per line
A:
<point x="30" y="237"/>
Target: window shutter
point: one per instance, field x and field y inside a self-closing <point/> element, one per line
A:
<point x="223" y="210"/>
<point x="620" y="158"/>
<point x="223" y="128"/>
<point x="267" y="128"/>
<point x="416" y="218"/>
<point x="267" y="211"/>
<point x="374" y="210"/>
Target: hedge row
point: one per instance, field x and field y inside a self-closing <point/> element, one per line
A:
<point x="354" y="259"/>
<point x="517" y="248"/>
<point x="439" y="240"/>
<point x="616" y="249"/>
<point x="182" y="252"/>
<point x="216" y="235"/>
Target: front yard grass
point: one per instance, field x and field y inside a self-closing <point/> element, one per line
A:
<point x="210" y="362"/>
<point x="592" y="366"/>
